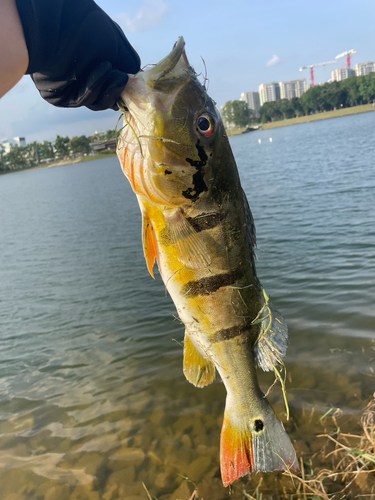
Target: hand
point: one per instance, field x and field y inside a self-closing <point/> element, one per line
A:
<point x="78" y="56"/>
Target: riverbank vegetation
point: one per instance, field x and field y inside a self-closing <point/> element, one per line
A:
<point x="350" y="96"/>
<point x="60" y="151"/>
<point x="331" y="96"/>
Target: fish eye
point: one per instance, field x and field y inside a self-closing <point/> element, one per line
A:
<point x="206" y="125"/>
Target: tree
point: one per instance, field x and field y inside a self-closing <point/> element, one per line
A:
<point x="110" y="134"/>
<point x="2" y="159"/>
<point x="312" y="99"/>
<point x="61" y="146"/>
<point x="46" y="150"/>
<point x="237" y="112"/>
<point x="351" y="87"/>
<point x="285" y="107"/>
<point x="270" y="112"/>
<point x="16" y="158"/>
<point x="367" y="87"/>
<point x="80" y="145"/>
<point x="297" y="106"/>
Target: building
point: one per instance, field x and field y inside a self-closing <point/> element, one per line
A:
<point x="293" y="88"/>
<point x="341" y="74"/>
<point x="253" y="101"/>
<point x="8" y="145"/>
<point x="269" y="92"/>
<point x="19" y="141"/>
<point x="366" y="68"/>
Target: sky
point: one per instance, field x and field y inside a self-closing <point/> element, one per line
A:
<point x="243" y="42"/>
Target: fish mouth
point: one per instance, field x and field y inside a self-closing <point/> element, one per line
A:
<point x="174" y="67"/>
<point x="169" y="66"/>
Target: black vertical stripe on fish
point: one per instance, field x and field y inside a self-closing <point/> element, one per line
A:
<point x="205" y="221"/>
<point x="211" y="284"/>
<point x="198" y="181"/>
<point x="234" y="331"/>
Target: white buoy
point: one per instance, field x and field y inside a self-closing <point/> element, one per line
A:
<point x="260" y="141"/>
<point x="270" y="139"/>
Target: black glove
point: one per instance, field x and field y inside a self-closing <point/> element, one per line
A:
<point x="78" y="56"/>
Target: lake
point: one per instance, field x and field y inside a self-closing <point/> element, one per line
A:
<point x="93" y="401"/>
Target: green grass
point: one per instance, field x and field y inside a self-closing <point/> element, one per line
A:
<point x="320" y="116"/>
<point x="97" y="157"/>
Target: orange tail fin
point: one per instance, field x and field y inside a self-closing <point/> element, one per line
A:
<point x="259" y="443"/>
<point x="236" y="453"/>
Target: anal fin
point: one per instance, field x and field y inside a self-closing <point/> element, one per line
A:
<point x="198" y="370"/>
<point x="272" y="343"/>
<point x="149" y="244"/>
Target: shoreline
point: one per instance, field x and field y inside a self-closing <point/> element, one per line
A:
<point x="60" y="163"/>
<point x="325" y="115"/>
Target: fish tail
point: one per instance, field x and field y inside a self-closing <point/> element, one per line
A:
<point x="257" y="443"/>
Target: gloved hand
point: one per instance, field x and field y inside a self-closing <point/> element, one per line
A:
<point x="78" y="56"/>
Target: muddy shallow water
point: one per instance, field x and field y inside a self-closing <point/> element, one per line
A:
<point x="93" y="402"/>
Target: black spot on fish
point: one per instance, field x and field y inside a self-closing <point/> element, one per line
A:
<point x="258" y="425"/>
<point x="211" y="284"/>
<point x="167" y="172"/>
<point x="202" y="155"/>
<point x="205" y="221"/>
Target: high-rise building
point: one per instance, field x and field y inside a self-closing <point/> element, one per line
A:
<point x="269" y="92"/>
<point x="293" y="88"/>
<point x="17" y="141"/>
<point x="252" y="100"/>
<point x="341" y="74"/>
<point x="366" y="68"/>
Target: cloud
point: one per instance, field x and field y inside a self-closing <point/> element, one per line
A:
<point x="150" y="14"/>
<point x="274" y="60"/>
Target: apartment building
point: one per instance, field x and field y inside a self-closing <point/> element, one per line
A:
<point x="293" y="88"/>
<point x="269" y="92"/>
<point x="362" y="69"/>
<point x="252" y="100"/>
<point x="341" y="74"/>
<point x="9" y="144"/>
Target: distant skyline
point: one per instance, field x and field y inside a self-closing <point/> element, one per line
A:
<point x="243" y="44"/>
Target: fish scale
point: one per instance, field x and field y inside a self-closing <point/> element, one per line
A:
<point x="198" y="226"/>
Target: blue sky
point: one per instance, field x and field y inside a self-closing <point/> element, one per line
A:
<point x="236" y="38"/>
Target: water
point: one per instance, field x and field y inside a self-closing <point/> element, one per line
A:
<point x="93" y="401"/>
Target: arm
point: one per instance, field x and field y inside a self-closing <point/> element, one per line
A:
<point x="14" y="57"/>
<point x="77" y="56"/>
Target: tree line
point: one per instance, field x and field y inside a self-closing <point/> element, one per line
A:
<point x="352" y="91"/>
<point x="35" y="153"/>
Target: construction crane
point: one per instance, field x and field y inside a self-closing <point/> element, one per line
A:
<point x="348" y="54"/>
<point x="312" y="66"/>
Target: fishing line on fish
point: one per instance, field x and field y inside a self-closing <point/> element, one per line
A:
<point x="124" y="111"/>
<point x="161" y="139"/>
<point x="205" y="78"/>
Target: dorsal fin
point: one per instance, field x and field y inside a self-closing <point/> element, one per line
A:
<point x="198" y="370"/>
<point x="149" y="243"/>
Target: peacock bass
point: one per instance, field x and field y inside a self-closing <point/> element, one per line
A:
<point x="198" y="226"/>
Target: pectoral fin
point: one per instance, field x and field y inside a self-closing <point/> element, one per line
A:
<point x="191" y="250"/>
<point x="198" y="370"/>
<point x="272" y="343"/>
<point x="149" y="244"/>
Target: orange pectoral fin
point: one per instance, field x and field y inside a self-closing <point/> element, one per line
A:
<point x="236" y="452"/>
<point x="149" y="244"/>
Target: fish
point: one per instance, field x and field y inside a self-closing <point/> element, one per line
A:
<point x="197" y="225"/>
